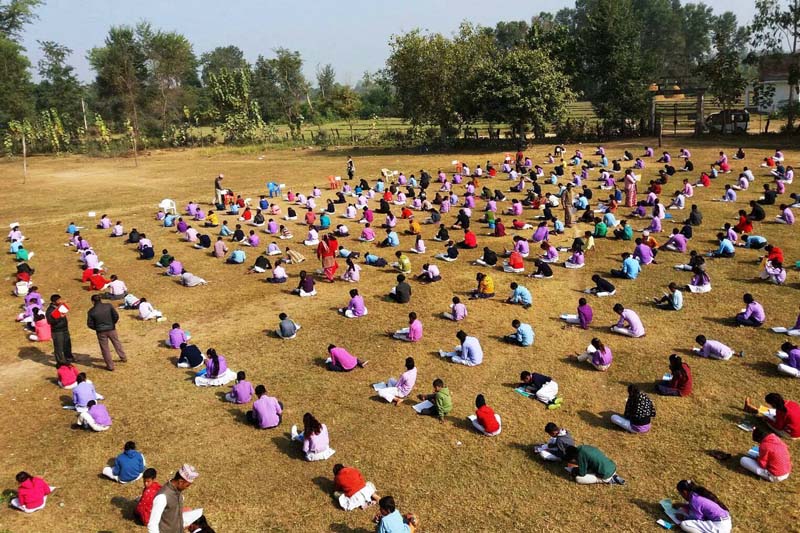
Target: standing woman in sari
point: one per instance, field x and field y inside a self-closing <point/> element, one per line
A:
<point x="326" y="252"/>
<point x="630" y="189"/>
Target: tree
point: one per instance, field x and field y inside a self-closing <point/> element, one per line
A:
<point x="15" y="15"/>
<point x="172" y="69"/>
<point x="122" y="73"/>
<point x="235" y="106"/>
<point x="15" y="82"/>
<point x="609" y="40"/>
<point x="376" y="94"/>
<point x="326" y="87"/>
<point x="346" y="105"/>
<point x="775" y="29"/>
<point x="280" y="87"/>
<point x="511" y="34"/>
<point x="523" y="87"/>
<point x="723" y="72"/>
<point x="59" y="87"/>
<point x="222" y="57"/>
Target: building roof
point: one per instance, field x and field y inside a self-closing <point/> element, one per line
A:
<point x="776" y="67"/>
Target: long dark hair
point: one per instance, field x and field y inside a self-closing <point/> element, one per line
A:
<point x="311" y="425"/>
<point x="690" y="486"/>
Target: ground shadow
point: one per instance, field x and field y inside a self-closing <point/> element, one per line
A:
<point x="644" y="386"/>
<point x="462" y="423"/>
<point x="764" y="368"/>
<point x="320" y="362"/>
<point x="573" y="361"/>
<point x="600" y="420"/>
<point x="290" y="448"/>
<point x="33" y="353"/>
<point x="684" y="351"/>
<point x="126" y="507"/>
<point x="325" y="485"/>
<point x="651" y="508"/>
<point x="344" y="528"/>
<point x="725" y="321"/>
<point x="731" y="463"/>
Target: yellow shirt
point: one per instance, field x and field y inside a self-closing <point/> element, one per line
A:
<point x="213" y="219"/>
<point x="487" y="285"/>
<point x="415" y="227"/>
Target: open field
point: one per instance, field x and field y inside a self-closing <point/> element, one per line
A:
<point x="452" y="478"/>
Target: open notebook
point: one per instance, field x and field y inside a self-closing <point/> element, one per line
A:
<point x="422" y="406"/>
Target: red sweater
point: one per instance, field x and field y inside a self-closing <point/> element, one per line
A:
<point x="789" y="420"/>
<point x="145" y="505"/>
<point x="31" y="492"/>
<point x="97" y="282"/>
<point x="486" y="419"/>
<point x="67" y="375"/>
<point x="349" y="480"/>
<point x="773" y="455"/>
<point x="470" y="240"/>
<point x="683" y="383"/>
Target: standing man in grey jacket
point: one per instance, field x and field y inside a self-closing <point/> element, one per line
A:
<point x="102" y="318"/>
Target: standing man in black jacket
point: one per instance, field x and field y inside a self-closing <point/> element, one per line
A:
<point x="59" y="326"/>
<point x="102" y="318"/>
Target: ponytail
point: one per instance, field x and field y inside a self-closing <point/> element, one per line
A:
<point x="691" y="486"/>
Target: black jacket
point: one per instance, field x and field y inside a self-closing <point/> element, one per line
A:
<point x="56" y="324"/>
<point x="102" y="317"/>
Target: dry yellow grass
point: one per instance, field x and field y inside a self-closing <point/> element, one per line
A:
<point x="256" y="481"/>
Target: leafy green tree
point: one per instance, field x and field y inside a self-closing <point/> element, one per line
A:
<point x="235" y="106"/>
<point x="346" y="105"/>
<point x="121" y="68"/>
<point x="15" y="15"/>
<point x="609" y="39"/>
<point x="280" y="88"/>
<point x="723" y="72"/>
<point x="222" y="57"/>
<point x="376" y="94"/>
<point x="15" y="82"/>
<point x="59" y="87"/>
<point x="523" y="87"/>
<point x="172" y="72"/>
<point x="510" y="34"/>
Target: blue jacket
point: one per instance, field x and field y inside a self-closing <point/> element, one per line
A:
<point x="128" y="465"/>
<point x="631" y="268"/>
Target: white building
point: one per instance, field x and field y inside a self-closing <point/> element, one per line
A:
<point x="774" y="71"/>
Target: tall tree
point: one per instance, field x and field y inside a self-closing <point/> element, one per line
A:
<point x="326" y="87"/>
<point x="122" y="73"/>
<point x="775" y="29"/>
<point x="280" y="87"/>
<point x="59" y="87"/>
<point x="723" y="72"/>
<point x="609" y="38"/>
<point x="172" y="70"/>
<point x="346" y="105"/>
<point x="235" y="106"/>
<point x="510" y="34"/>
<point x="376" y="94"/>
<point x="523" y="87"/>
<point x="227" y="57"/>
<point x="15" y="82"/>
<point x="15" y="15"/>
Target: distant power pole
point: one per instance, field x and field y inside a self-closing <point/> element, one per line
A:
<point x="85" y="123"/>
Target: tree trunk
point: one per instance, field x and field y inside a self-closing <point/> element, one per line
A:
<point x="766" y="128"/>
<point x="24" y="158"/>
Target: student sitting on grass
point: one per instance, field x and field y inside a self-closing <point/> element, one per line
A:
<point x="753" y="314"/>
<point x="341" y="360"/>
<point x="790" y="360"/>
<point x="128" y="466"/>
<point x="316" y="443"/>
<point x="351" y="490"/>
<point x="680" y="379"/>
<point x="32" y="493"/>
<point x="412" y="333"/>
<point x="672" y="301"/>
<point x="267" y="411"/>
<point x="458" y="311"/>
<point x="389" y="519"/>
<point x="468" y="353"/>
<point x="523" y="334"/>
<point x="602" y="287"/>
<point x="773" y="463"/>
<point x="398" y="389"/>
<point x="704" y="513"/>
<point x="190" y="357"/>
<point x="355" y="307"/>
<point x="216" y="372"/>
<point x="629" y="323"/>
<point x="783" y="416"/>
<point x="305" y="287"/>
<point x="556" y="447"/>
<point x="588" y="466"/>
<point x="441" y="400"/>
<point x="485" y="420"/>
<point x="582" y="318"/>
<point x="145" y="504"/>
<point x="242" y="390"/>
<point x="597" y="354"/>
<point x="713" y="349"/>
<point x="95" y="417"/>
<point x="544" y="388"/>
<point x="520" y="295"/>
<point x="639" y="409"/>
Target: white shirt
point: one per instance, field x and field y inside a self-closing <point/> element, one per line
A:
<point x="117" y="287"/>
<point x="159" y="504"/>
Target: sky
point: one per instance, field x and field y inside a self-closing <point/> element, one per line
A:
<point x="352" y="35"/>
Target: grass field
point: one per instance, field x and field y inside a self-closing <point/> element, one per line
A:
<point x="452" y="478"/>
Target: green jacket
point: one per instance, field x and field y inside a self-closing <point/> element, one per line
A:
<point x="593" y="461"/>
<point x="444" y="402"/>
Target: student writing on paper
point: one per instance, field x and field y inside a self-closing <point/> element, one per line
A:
<point x="485" y="420"/>
<point x="441" y="400"/>
<point x="597" y="354"/>
<point x="468" y="353"/>
<point x="316" y="443"/>
<point x="591" y="466"/>
<point x="786" y="418"/>
<point x="351" y="490"/>
<point x="704" y="513"/>
<point x="556" y="447"/>
<point x="639" y="410"/>
<point x="394" y="391"/>
<point x="773" y="463"/>
<point x="544" y="388"/>
<point x="412" y="333"/>
<point x="680" y="379"/>
<point x="790" y="360"/>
